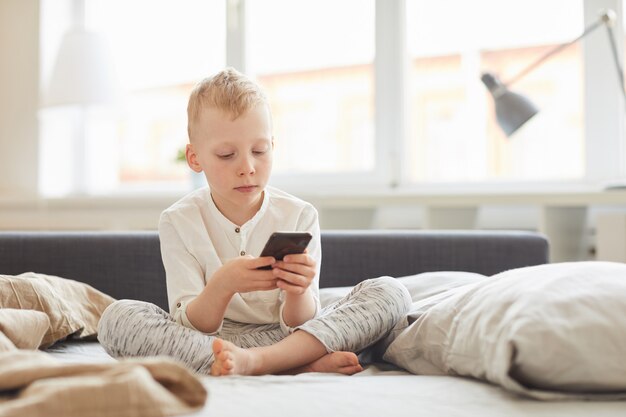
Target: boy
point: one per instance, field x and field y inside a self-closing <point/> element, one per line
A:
<point x="228" y="316"/>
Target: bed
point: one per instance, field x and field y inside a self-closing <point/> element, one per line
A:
<point x="433" y="264"/>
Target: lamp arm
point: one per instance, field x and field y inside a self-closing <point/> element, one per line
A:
<point x="605" y="18"/>
<point x="618" y="67"/>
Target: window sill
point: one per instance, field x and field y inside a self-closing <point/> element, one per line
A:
<point x="562" y="216"/>
<point x="342" y="198"/>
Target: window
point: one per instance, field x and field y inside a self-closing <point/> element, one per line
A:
<point x="453" y="136"/>
<point x="324" y="77"/>
<point x="160" y="49"/>
<point x="315" y="60"/>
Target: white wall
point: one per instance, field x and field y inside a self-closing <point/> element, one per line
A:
<point x="19" y="96"/>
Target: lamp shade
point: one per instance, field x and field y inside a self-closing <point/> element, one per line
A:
<point x="512" y="109"/>
<point x="83" y="73"/>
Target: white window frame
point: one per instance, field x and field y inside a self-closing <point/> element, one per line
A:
<point x="388" y="122"/>
<point x="604" y="108"/>
<point x="604" y="131"/>
<point x="604" y="104"/>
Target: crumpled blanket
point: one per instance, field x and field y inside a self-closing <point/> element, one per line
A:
<point x="22" y="329"/>
<point x="73" y="308"/>
<point x="33" y="383"/>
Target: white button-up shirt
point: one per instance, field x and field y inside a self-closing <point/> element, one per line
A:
<point x="197" y="239"/>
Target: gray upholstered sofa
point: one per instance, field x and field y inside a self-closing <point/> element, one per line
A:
<point x="128" y="264"/>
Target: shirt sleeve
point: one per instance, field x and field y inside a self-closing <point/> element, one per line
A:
<point x="181" y="318"/>
<point x="308" y="223"/>
<point x="183" y="273"/>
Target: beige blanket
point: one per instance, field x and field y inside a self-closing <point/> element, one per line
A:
<point x="22" y="329"/>
<point x="37" y="310"/>
<point x="42" y="386"/>
<point x="73" y="308"/>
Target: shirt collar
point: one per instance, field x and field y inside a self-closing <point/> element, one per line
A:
<point x="228" y="225"/>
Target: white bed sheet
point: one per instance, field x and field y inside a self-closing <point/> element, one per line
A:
<point x="378" y="391"/>
<point x="376" y="394"/>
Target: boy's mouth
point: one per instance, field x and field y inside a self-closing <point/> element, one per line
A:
<point x="246" y="188"/>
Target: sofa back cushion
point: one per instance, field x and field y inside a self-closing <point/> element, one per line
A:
<point x="120" y="264"/>
<point x="128" y="264"/>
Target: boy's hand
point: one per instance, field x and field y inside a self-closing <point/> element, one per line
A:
<point x="241" y="275"/>
<point x="295" y="273"/>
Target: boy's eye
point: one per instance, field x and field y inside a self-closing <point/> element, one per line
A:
<point x="225" y="156"/>
<point x="258" y="152"/>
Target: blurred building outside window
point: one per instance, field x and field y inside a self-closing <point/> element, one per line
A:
<point x="317" y="67"/>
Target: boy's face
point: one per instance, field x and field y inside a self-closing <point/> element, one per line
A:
<point x="235" y="156"/>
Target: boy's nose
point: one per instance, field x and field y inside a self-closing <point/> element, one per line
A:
<point x="247" y="168"/>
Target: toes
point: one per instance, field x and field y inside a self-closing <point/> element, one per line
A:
<point x="227" y="367"/>
<point x="220" y="368"/>
<point x="224" y="361"/>
<point x="223" y="356"/>
<point x="351" y="370"/>
<point x="218" y="346"/>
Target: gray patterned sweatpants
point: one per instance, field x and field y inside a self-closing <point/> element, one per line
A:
<point x="353" y="323"/>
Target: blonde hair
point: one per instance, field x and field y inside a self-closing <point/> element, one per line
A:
<point x="229" y="91"/>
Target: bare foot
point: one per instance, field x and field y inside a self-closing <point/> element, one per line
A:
<point x="346" y="363"/>
<point x="232" y="360"/>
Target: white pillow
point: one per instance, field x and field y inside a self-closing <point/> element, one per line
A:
<point x="552" y="331"/>
<point x="428" y="284"/>
<point x="424" y="288"/>
<point x="332" y="294"/>
<point x="420" y="286"/>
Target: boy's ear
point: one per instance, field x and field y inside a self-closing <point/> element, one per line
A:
<point x="272" y="142"/>
<point x="192" y="158"/>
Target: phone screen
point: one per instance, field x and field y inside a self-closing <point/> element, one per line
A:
<point x="281" y="244"/>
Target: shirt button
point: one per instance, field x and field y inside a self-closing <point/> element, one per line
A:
<point x="243" y="253"/>
<point x="237" y="230"/>
<point x="178" y="305"/>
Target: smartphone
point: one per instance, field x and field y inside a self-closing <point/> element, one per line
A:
<point x="285" y="243"/>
